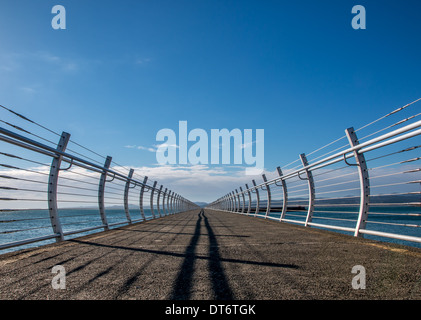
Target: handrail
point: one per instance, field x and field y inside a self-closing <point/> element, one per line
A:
<point x="58" y="155"/>
<point x="292" y="196"/>
<point x="339" y="156"/>
<point x="300" y="209"/>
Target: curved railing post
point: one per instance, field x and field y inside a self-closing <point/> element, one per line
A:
<point x="165" y="197"/>
<point x="157" y="200"/>
<point x="52" y="187"/>
<point x="142" y="190"/>
<point x="151" y="199"/>
<point x="238" y="198"/>
<point x="234" y="201"/>
<point x="177" y="203"/>
<point x="227" y="202"/>
<point x="269" y="196"/>
<point x="169" y="199"/>
<point x="236" y="204"/>
<point x="172" y="202"/>
<point x="167" y="206"/>
<point x="126" y="195"/>
<point x="231" y="204"/>
<point x="244" y="200"/>
<point x="101" y="192"/>
<point x="256" y="190"/>
<point x="180" y="204"/>
<point x="364" y="183"/>
<point x="249" y="194"/>
<point x="311" y="191"/>
<point x="285" y="195"/>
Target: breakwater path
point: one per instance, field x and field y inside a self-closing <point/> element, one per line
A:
<point x="206" y="254"/>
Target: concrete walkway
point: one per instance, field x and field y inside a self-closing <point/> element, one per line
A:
<point x="213" y="255"/>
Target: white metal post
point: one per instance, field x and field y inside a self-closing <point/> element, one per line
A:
<point x="157" y="200"/>
<point x="142" y="190"/>
<point x="52" y="187"/>
<point x="269" y="196"/>
<point x="244" y="200"/>
<point x="364" y="183"/>
<point x="165" y="198"/>
<point x="172" y="202"/>
<point x="126" y="195"/>
<point x="238" y="198"/>
<point x="151" y="199"/>
<point x="311" y="192"/>
<point x="249" y="194"/>
<point x="256" y="190"/>
<point x="101" y="192"/>
<point x="285" y="195"/>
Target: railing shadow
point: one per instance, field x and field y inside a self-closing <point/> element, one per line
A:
<point x="220" y="286"/>
<point x="183" y="283"/>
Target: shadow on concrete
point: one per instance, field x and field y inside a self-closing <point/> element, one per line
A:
<point x="220" y="286"/>
<point x="183" y="283"/>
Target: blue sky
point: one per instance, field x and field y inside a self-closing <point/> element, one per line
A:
<point x="123" y="70"/>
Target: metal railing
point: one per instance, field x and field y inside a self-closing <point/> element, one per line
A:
<point x="367" y="186"/>
<point x="53" y="191"/>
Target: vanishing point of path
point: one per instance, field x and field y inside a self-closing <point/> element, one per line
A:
<point x="213" y="255"/>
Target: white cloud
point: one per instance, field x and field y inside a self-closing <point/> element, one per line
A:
<point x="247" y="145"/>
<point x="154" y="148"/>
<point x="70" y="66"/>
<point x="150" y="149"/>
<point x="22" y="61"/>
<point x="146" y="148"/>
<point x="46" y="56"/>
<point x="28" y="90"/>
<point x="142" y="61"/>
<point x="165" y="145"/>
<point x="195" y="182"/>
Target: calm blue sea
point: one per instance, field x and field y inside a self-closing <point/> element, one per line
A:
<point x="25" y="224"/>
<point x="404" y="220"/>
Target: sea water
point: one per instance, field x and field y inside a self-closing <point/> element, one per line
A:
<point x="26" y="224"/>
